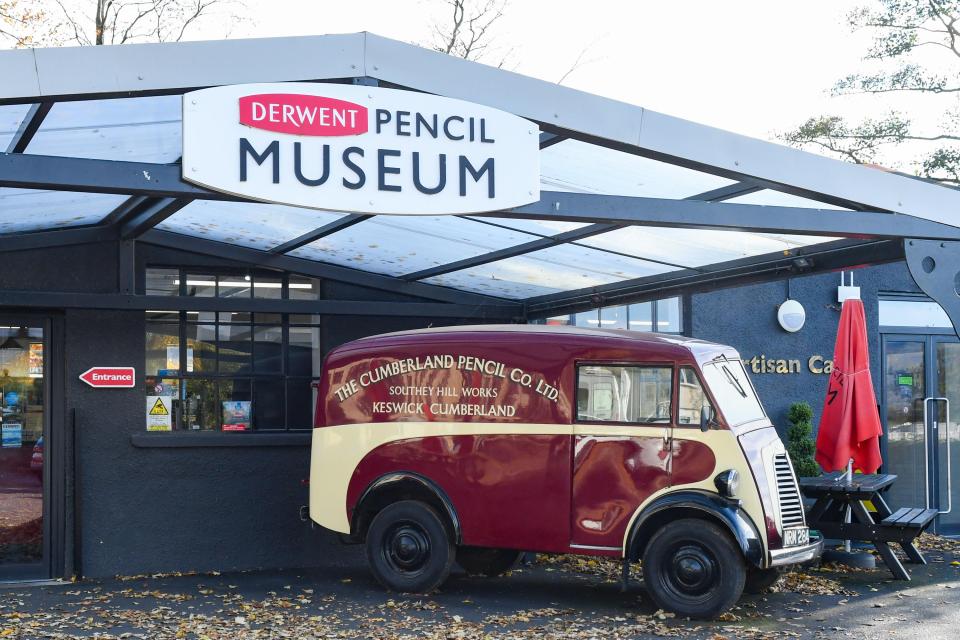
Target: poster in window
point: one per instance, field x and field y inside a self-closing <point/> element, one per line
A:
<point x="35" y="360"/>
<point x="159" y="413"/>
<point x="236" y="415"/>
<point x="12" y="435"/>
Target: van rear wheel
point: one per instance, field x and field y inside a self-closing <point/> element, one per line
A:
<point x="480" y="561"/>
<point x="409" y="548"/>
<point x="692" y="568"/>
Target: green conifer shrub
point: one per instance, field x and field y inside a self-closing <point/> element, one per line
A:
<point x="800" y="444"/>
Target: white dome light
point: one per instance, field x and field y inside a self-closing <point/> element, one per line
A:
<point x="791" y="316"/>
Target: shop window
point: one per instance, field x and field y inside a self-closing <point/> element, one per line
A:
<point x="163" y="282"/>
<point x="641" y="316"/>
<point x="663" y="316"/>
<point x="231" y="371"/>
<point x="668" y="315"/>
<point x="625" y="394"/>
<point x="613" y="318"/>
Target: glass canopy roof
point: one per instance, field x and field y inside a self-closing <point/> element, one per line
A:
<point x="23" y="210"/>
<point x="148" y="129"/>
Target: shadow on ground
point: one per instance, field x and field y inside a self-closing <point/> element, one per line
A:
<point x="554" y="598"/>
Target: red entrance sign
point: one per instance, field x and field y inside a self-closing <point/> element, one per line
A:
<point x="110" y="377"/>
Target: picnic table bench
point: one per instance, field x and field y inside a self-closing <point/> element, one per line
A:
<point x="834" y="494"/>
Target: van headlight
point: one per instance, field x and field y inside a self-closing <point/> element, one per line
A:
<point x="727" y="482"/>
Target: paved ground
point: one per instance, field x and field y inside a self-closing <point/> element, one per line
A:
<point x="554" y="598"/>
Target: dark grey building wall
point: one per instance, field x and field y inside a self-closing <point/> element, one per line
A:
<point x="143" y="509"/>
<point x="746" y="318"/>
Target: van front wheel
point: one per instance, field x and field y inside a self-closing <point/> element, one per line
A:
<point x="692" y="568"/>
<point x="409" y="548"/>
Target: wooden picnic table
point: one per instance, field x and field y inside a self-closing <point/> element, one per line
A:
<point x="834" y="494"/>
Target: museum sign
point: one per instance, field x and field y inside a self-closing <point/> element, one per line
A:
<point x="360" y="149"/>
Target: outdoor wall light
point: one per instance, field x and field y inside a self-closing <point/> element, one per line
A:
<point x="791" y="316"/>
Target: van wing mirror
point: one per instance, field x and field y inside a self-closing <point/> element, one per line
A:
<point x="706" y="417"/>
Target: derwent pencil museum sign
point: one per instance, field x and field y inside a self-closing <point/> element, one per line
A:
<point x="362" y="149"/>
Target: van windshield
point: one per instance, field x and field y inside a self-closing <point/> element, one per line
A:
<point x="734" y="394"/>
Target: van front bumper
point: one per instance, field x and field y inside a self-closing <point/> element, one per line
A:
<point x="795" y="555"/>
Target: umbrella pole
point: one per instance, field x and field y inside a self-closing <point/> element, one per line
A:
<point x="846" y="519"/>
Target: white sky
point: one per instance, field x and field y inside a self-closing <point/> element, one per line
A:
<point x="750" y="66"/>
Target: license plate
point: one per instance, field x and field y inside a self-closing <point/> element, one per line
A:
<point x="796" y="537"/>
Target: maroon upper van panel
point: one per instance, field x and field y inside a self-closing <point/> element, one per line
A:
<point x="495" y="373"/>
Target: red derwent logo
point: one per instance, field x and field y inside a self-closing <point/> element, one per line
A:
<point x="303" y="115"/>
<point x="110" y="377"/>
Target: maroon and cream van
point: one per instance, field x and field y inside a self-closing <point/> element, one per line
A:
<point x="473" y="444"/>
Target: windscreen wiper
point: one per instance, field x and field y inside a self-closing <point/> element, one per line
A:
<point x="733" y="381"/>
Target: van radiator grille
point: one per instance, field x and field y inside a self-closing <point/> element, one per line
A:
<point x="791" y="507"/>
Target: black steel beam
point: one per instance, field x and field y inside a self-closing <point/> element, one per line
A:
<point x="119" y="301"/>
<point x="320" y="232"/>
<point x="151" y="213"/>
<point x="699" y="214"/>
<point x="516" y="250"/>
<point x="28" y="128"/>
<point x="318" y="269"/>
<point x="728" y="192"/>
<point x="156" y="180"/>
<point x="55" y="238"/>
<point x="58" y="173"/>
<point x="549" y="139"/>
<point x="828" y="256"/>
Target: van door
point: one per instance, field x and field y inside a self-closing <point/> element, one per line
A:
<point x="621" y="448"/>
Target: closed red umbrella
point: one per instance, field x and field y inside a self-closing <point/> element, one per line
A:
<point x="850" y="424"/>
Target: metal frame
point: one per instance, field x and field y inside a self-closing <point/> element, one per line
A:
<point x="884" y="207"/>
<point x="64" y="73"/>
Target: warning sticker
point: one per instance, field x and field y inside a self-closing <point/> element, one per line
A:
<point x="159" y="409"/>
<point x="159" y="413"/>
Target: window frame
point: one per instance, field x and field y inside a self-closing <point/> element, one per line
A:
<point x="282" y="379"/>
<point x="672" y="366"/>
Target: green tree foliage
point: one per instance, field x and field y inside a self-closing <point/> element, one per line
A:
<point x="800" y="444"/>
<point x="915" y="51"/>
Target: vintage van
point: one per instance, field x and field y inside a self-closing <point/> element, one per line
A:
<point x="473" y="444"/>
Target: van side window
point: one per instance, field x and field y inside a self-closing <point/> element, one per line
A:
<point x="613" y="393"/>
<point x="692" y="397"/>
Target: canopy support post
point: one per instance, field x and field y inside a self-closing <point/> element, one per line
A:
<point x="935" y="267"/>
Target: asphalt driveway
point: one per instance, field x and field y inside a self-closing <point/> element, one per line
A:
<point x="552" y="598"/>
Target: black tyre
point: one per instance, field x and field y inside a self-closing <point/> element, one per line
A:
<point x="409" y="548"/>
<point x="480" y="561"/>
<point x="693" y="568"/>
<point x="759" y="580"/>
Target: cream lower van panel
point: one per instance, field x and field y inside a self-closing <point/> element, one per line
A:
<point x="728" y="454"/>
<point x="336" y="452"/>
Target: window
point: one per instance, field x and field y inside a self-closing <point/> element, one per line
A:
<point x="231" y="371"/>
<point x="733" y="392"/>
<point x="616" y="393"/>
<point x="692" y="397"/>
<point x="662" y="316"/>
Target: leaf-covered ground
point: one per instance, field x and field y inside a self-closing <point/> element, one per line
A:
<point x="556" y="597"/>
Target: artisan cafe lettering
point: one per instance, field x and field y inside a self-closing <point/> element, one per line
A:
<point x="361" y="149"/>
<point x="762" y="364"/>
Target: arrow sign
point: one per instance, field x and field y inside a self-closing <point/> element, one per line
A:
<point x="110" y="377"/>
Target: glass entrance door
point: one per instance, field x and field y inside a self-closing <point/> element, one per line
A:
<point x="945" y="434"/>
<point x="23" y="413"/>
<point x="921" y="398"/>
